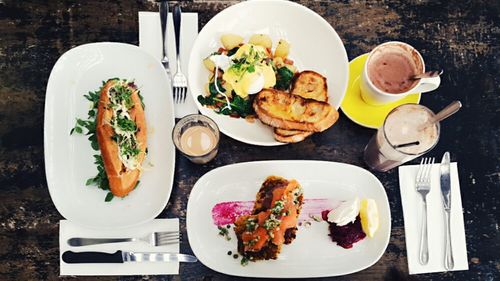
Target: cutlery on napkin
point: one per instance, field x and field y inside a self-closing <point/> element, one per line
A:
<point x="69" y="229"/>
<point x="436" y="224"/>
<point x="150" y="41"/>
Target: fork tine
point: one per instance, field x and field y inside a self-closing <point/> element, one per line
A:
<point x="184" y="95"/>
<point x="429" y="169"/>
<point x="175" y="94"/>
<point x="165" y="240"/>
<point x="420" y="168"/>
<point x="162" y="235"/>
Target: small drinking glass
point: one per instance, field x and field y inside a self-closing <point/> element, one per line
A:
<point x="197" y="138"/>
<point x="407" y="133"/>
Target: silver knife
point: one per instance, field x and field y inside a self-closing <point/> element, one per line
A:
<point x="446" y="193"/>
<point x="124" y="256"/>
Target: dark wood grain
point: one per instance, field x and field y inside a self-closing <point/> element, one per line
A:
<point x="462" y="37"/>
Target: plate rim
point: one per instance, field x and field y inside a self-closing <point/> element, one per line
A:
<point x="284" y="162"/>
<point x="242" y="5"/>
<point x="46" y="124"/>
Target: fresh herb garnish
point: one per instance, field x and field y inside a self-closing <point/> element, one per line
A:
<point x="126" y="125"/>
<point x="283" y="78"/>
<point x="244" y="261"/>
<point x="224" y="232"/>
<point x="109" y="197"/>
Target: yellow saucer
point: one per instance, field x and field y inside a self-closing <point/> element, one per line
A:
<point x="355" y="108"/>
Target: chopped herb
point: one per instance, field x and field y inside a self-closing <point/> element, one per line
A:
<point x="244" y="261"/>
<point x="271" y="223"/>
<point x="251" y="224"/>
<point x="315" y="218"/>
<point x="278" y="207"/>
<point x="224" y="232"/>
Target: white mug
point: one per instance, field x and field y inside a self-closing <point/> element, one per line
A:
<point x="373" y="95"/>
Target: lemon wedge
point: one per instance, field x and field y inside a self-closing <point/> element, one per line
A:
<point x="368" y="213"/>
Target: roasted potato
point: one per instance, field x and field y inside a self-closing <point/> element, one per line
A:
<point x="230" y="41"/>
<point x="209" y="64"/>
<point x="282" y="49"/>
<point x="261" y="40"/>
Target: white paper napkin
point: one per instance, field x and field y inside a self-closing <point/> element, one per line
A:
<point x="68" y="230"/>
<point x="150" y="40"/>
<point x="412" y="208"/>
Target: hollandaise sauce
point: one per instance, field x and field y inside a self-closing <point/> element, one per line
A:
<point x="247" y="71"/>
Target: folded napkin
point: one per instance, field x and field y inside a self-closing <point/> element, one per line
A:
<point x="412" y="206"/>
<point x="68" y="230"/>
<point x="150" y="41"/>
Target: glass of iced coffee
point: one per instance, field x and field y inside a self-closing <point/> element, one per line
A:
<point x="408" y="132"/>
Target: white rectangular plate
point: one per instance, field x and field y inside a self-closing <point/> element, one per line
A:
<point x="69" y="158"/>
<point x="312" y="253"/>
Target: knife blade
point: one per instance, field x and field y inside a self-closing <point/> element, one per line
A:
<point x="445" y="180"/>
<point x="446" y="194"/>
<point x="125" y="256"/>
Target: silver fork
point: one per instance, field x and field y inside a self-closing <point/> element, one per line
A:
<point x="163" y="20"/>
<point x="179" y="81"/>
<point x="423" y="186"/>
<point x="154" y="239"/>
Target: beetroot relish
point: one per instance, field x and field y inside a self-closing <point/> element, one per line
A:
<point x="346" y="235"/>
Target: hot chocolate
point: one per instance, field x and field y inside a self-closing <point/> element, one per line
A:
<point x="391" y="67"/>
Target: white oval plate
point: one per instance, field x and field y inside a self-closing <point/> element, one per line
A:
<point x="312" y="253"/>
<point x="69" y="159"/>
<point x="314" y="46"/>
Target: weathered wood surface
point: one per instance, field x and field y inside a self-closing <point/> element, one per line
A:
<point x="462" y="37"/>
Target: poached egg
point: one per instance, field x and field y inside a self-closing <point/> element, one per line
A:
<point x="248" y="71"/>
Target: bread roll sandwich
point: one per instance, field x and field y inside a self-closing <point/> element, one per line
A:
<point x="121" y="133"/>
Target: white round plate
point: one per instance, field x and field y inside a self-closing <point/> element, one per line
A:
<point x="69" y="158"/>
<point x="314" y="46"/>
<point x="312" y="253"/>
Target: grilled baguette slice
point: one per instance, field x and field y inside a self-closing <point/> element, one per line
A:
<point x="291" y="112"/>
<point x="307" y="84"/>
<point x="121" y="180"/>
<point x="310" y="85"/>
<point x="290" y="136"/>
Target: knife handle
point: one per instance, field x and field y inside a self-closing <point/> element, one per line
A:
<point x="448" y="257"/>
<point x="92" y="257"/>
<point x="176" y="15"/>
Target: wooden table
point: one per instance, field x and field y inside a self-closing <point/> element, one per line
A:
<point x="459" y="36"/>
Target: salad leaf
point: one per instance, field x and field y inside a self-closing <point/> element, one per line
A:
<point x="283" y="78"/>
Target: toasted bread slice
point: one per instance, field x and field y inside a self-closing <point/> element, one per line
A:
<point x="291" y="112"/>
<point x="310" y="85"/>
<point x="121" y="180"/>
<point x="307" y="84"/>
<point x="290" y="136"/>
